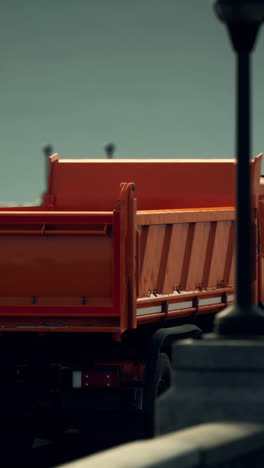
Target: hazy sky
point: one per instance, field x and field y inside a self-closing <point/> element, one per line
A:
<point x="154" y="76"/>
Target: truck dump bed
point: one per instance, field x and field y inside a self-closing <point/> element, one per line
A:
<point x="102" y="255"/>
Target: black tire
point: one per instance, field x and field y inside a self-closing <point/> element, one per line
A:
<point x="156" y="382"/>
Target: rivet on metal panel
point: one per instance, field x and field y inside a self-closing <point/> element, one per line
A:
<point x="222" y="284"/>
<point x="154" y="292"/>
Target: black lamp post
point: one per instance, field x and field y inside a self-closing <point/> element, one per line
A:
<point x="243" y="18"/>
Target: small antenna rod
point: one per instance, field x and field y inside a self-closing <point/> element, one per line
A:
<point x="109" y="150"/>
<point x="48" y="151"/>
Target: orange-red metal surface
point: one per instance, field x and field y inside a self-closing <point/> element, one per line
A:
<point x="65" y="324"/>
<point x="92" y="260"/>
<point x="186" y="256"/>
<point x="94" y="185"/>
<point x="46" y="256"/>
<point x="57" y="272"/>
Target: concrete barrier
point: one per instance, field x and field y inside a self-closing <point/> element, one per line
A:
<point x="214" y="380"/>
<point x="218" y="445"/>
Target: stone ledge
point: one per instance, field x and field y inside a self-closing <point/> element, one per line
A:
<point x="205" y="445"/>
<point x="218" y="354"/>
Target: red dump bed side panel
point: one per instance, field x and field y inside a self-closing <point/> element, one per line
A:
<point x="161" y="184"/>
<point x="57" y="271"/>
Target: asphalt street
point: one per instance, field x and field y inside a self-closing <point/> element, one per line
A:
<point x="111" y="430"/>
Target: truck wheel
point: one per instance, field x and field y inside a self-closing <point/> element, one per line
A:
<point x="155" y="384"/>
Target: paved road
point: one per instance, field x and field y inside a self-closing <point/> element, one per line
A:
<point x="71" y="446"/>
<point x="47" y="454"/>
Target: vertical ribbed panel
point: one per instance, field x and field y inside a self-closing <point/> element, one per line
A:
<point x="166" y="252"/>
<point x="153" y="237"/>
<point x="172" y="280"/>
<point x="231" y="281"/>
<point x="198" y="256"/>
<point x="187" y="256"/>
<point x="229" y="272"/>
<point x="219" y="254"/>
<point x="209" y="253"/>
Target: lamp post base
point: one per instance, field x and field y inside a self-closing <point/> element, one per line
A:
<point x="239" y="321"/>
<point x="214" y="380"/>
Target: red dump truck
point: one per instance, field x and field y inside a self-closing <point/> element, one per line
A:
<point x="122" y="257"/>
